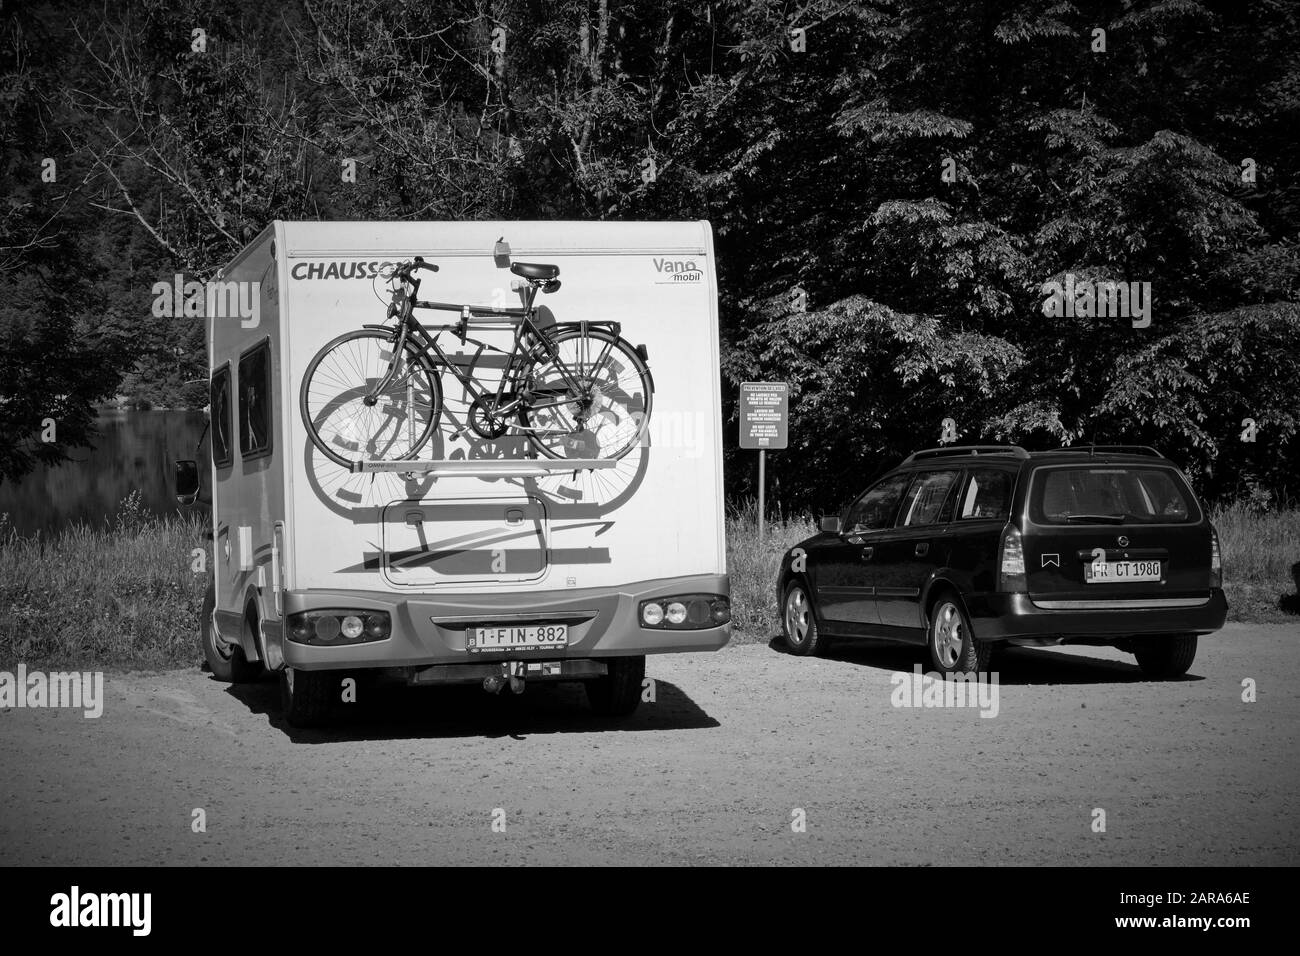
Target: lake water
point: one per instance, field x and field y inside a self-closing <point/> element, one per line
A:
<point x="134" y="452"/>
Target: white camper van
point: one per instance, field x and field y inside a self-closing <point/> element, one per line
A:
<point x="483" y="555"/>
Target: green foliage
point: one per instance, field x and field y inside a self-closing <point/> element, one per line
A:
<point x="919" y="171"/>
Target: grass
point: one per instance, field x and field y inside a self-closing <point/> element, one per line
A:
<point x="1259" y="551"/>
<point x="119" y="595"/>
<point x="124" y="594"/>
<point x="1261" y="555"/>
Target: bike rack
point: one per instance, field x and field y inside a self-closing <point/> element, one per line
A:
<point x="496" y="468"/>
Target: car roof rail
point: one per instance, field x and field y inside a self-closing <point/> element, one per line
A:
<point x="954" y="450"/>
<point x="1093" y="450"/>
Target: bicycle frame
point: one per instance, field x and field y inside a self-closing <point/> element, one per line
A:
<point x="522" y="319"/>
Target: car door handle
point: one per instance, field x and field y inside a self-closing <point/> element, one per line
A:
<point x="922" y="548"/>
<point x="867" y="552"/>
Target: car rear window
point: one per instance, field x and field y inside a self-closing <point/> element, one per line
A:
<point x="1133" y="493"/>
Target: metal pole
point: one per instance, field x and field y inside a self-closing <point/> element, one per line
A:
<point x="762" y="503"/>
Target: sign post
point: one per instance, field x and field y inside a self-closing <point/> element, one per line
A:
<point x="764" y="424"/>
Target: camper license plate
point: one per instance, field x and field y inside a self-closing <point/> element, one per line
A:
<point x="1111" y="572"/>
<point x="521" y="637"/>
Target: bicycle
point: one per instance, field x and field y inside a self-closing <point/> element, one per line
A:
<point x="575" y="390"/>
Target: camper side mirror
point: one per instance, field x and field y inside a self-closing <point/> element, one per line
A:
<point x="187" y="481"/>
<point x="831" y="524"/>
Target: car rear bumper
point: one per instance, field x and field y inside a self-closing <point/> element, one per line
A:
<point x="1007" y="616"/>
<point x="432" y="629"/>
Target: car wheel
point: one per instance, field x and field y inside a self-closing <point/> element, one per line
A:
<point x="307" y="697"/>
<point x="618" y="693"/>
<point x="953" y="648"/>
<point x="1165" y="657"/>
<point x="227" y="661"/>
<point x="799" y="622"/>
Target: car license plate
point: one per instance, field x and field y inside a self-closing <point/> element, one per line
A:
<point x="1112" y="572"/>
<point x="518" y="637"/>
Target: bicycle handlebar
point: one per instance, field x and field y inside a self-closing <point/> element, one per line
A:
<point x="404" y="270"/>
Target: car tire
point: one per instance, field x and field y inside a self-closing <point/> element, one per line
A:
<point x="799" y="622"/>
<point x="952" y="644"/>
<point x="1165" y="657"/>
<point x="307" y="697"/>
<point x="618" y="693"/>
<point x="226" y="661"/>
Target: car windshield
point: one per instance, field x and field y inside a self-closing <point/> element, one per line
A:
<point x="1112" y="495"/>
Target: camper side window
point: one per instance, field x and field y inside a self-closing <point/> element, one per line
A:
<point x="219" y="412"/>
<point x="255" y="402"/>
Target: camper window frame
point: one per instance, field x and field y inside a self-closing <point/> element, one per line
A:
<point x="265" y="450"/>
<point x="224" y="369"/>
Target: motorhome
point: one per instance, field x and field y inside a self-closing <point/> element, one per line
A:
<point x="477" y="560"/>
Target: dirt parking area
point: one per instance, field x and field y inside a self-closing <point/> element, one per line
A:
<point x="738" y="749"/>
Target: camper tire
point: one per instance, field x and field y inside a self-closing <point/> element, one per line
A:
<point x="226" y="661"/>
<point x="307" y="697"/>
<point x="618" y="693"/>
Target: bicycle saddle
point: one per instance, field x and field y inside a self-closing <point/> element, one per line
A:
<point x="535" y="271"/>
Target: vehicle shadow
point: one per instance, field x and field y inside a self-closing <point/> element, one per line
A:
<point x="1013" y="665"/>
<point x="399" y="712"/>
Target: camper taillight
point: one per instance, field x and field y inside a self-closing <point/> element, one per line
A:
<point x="687" y="612"/>
<point x="333" y="628"/>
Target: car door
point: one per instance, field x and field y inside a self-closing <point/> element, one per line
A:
<point x="843" y="575"/>
<point x="907" y="554"/>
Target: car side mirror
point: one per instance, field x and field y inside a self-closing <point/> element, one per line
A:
<point x="186" y="481"/>
<point x="831" y="524"/>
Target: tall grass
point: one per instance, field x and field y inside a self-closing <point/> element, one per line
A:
<point x="753" y="572"/>
<point x="1258" y="549"/>
<point x="121" y="594"/>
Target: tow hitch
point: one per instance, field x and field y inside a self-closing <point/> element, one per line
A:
<point x="511" y="673"/>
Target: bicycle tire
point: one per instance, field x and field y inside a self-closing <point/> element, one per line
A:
<point x="360" y="364"/>
<point x="644" y="387"/>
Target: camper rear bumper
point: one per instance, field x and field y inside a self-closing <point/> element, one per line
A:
<point x="435" y="628"/>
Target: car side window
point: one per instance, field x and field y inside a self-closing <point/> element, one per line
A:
<point x="875" y="509"/>
<point x="987" y="494"/>
<point x="924" y="503"/>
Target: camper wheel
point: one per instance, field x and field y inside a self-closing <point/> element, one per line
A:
<point x="227" y="661"/>
<point x="619" y="691"/>
<point x="306" y="697"/>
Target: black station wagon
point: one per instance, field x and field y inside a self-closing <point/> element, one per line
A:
<point x="964" y="548"/>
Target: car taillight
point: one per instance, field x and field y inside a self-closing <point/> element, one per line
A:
<point x="1011" y="575"/>
<point x="683" y="612"/>
<point x="1216" y="560"/>
<point x="338" y="628"/>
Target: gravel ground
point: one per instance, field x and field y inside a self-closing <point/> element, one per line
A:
<point x="716" y="770"/>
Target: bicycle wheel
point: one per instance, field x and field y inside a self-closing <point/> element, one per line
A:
<point x="332" y="399"/>
<point x="591" y="400"/>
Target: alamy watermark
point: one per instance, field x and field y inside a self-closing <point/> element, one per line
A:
<point x="216" y="300"/>
<point x="60" y="689"/>
<point x="1103" y="299"/>
<point x="932" y="690"/>
<point x="75" y="909"/>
